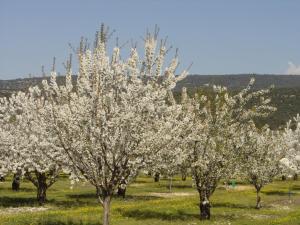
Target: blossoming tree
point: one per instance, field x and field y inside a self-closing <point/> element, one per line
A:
<point x="213" y="141"/>
<point x="262" y="151"/>
<point x="168" y="162"/>
<point x="109" y="124"/>
<point x="5" y="138"/>
<point x="23" y="123"/>
<point x="291" y="161"/>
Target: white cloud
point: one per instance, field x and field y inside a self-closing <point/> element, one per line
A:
<point x="293" y="69"/>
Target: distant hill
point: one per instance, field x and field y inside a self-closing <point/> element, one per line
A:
<point x="237" y="81"/>
<point x="23" y="84"/>
<point x="285" y="96"/>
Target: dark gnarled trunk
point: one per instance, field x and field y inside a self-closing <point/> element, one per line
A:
<point x="121" y="192"/>
<point x="122" y="188"/>
<point x="295" y="176"/>
<point x="183" y="174"/>
<point x="204" y="206"/>
<point x="204" y="194"/>
<point x="42" y="181"/>
<point x="156" y="177"/>
<point x="16" y="182"/>
<point x="205" y="187"/>
<point x="41" y="188"/>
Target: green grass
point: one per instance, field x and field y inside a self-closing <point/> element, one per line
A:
<point x="149" y="203"/>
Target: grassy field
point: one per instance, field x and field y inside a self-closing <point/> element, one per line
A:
<point x="149" y="203"/>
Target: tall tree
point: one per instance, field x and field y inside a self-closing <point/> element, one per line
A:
<point x="116" y="117"/>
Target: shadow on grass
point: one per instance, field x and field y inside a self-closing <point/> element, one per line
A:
<point x="17" y="201"/>
<point x="296" y="187"/>
<point x="177" y="215"/>
<point x="180" y="186"/>
<point x="71" y="204"/>
<point x="280" y="193"/>
<point x="32" y="201"/>
<point x="93" y="196"/>
<point x="22" y="189"/>
<point x="231" y="205"/>
<point x="141" y="182"/>
<point x="70" y="222"/>
<point x="79" y="201"/>
<point x="73" y="201"/>
<point x="150" y="214"/>
<point x="82" y="196"/>
<point x="138" y="198"/>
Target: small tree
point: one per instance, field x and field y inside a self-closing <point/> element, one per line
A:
<point x="213" y="140"/>
<point x="5" y="139"/>
<point x="28" y="134"/>
<point x="261" y="158"/>
<point x="291" y="161"/>
<point x="168" y="162"/>
<point x="170" y="159"/>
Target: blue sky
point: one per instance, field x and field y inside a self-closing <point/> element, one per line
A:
<point x="218" y="36"/>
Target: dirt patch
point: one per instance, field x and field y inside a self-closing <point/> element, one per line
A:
<point x="172" y="194"/>
<point x="236" y="188"/>
<point x="280" y="207"/>
<point x="243" y="188"/>
<point x="261" y="216"/>
<point x="137" y="184"/>
<point x="22" y="210"/>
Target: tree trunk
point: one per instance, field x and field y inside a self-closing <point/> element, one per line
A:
<point x="41" y="188"/>
<point x="204" y="206"/>
<point x="258" y="199"/>
<point x="183" y="176"/>
<point x="295" y="176"/>
<point x="156" y="177"/>
<point x="16" y="182"/>
<point x="283" y="177"/>
<point x="170" y="183"/>
<point x="122" y="188"/>
<point x="204" y="210"/>
<point x="106" y="210"/>
<point x="121" y="191"/>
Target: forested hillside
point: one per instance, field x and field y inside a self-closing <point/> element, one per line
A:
<point x="192" y="81"/>
<point x="239" y="81"/>
<point x="285" y="95"/>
